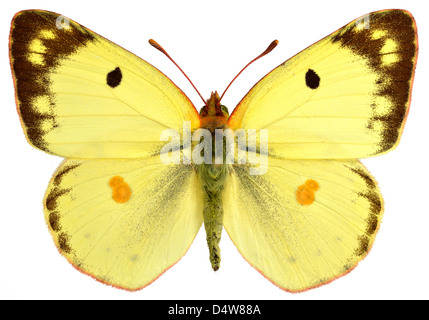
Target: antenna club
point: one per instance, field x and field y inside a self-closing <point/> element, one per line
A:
<point x="272" y="46"/>
<point x="157" y="46"/>
<point x="154" y="43"/>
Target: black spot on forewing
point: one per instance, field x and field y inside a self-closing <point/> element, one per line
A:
<point x="32" y="79"/>
<point x="394" y="79"/>
<point x="312" y="79"/>
<point x="114" y="78"/>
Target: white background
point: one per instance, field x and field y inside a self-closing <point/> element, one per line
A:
<point x="212" y="40"/>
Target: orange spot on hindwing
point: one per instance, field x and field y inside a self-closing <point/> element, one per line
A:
<point x="305" y="194"/>
<point x="115" y="181"/>
<point x="121" y="191"/>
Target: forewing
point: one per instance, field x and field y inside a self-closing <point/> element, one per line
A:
<point x="346" y="96"/>
<point x="81" y="96"/>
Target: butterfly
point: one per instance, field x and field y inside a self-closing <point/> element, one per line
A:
<point x="142" y="172"/>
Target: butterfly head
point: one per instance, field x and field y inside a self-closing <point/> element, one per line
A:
<point x="213" y="114"/>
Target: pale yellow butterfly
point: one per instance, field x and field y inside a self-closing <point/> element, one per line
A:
<point x="117" y="212"/>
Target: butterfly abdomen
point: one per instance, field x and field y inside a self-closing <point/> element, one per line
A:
<point x="213" y="180"/>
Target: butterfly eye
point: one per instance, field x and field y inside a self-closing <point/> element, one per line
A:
<point x="224" y="111"/>
<point x="201" y="110"/>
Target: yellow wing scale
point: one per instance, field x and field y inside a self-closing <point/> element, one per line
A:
<point x="311" y="219"/>
<point x="124" y="222"/>
<point x="81" y="96"/>
<point x="357" y="106"/>
<point x="299" y="244"/>
<point x="119" y="214"/>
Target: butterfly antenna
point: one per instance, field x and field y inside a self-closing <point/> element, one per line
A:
<point x="156" y="45"/>
<point x="268" y="50"/>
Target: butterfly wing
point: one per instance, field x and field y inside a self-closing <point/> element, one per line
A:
<point x="124" y="222"/>
<point x="313" y="215"/>
<point x="346" y="96"/>
<point x="81" y="96"/>
<point x="304" y="222"/>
